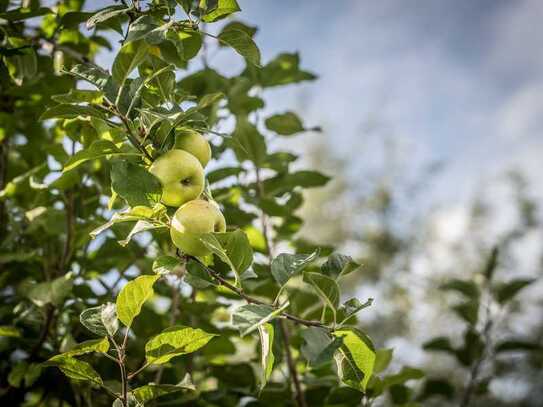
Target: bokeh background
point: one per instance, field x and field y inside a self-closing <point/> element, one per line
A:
<point x="431" y="116"/>
<point x="432" y="113"/>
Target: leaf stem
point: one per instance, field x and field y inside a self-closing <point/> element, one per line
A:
<point x="253" y="300"/>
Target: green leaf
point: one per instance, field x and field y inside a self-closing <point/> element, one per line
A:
<point x="147" y="216"/>
<point x="248" y="318"/>
<point x="24" y="13"/>
<point x="491" y="263"/>
<point x="338" y="265"/>
<point x="233" y="248"/>
<point x="248" y="143"/>
<point x="67" y="111"/>
<point x="285" y="266"/>
<point x="136" y="185"/>
<point x="505" y="292"/>
<point x="221" y="173"/>
<point x="106" y="14"/>
<point x="326" y="288"/>
<point x="129" y="57"/>
<point x="80" y="96"/>
<point x="285" y="124"/>
<point x="197" y="276"/>
<point x="288" y="181"/>
<point x="351" y="307"/>
<point x="319" y="347"/>
<point x="9" y="332"/>
<point x="223" y="9"/>
<point x="90" y="74"/>
<point x="283" y="70"/>
<point x="175" y="341"/>
<point x="98" y="149"/>
<point x="267" y="358"/>
<point x="24" y="373"/>
<point x="467" y="288"/>
<point x="242" y="43"/>
<point x="468" y="311"/>
<point x="439" y="344"/>
<point x="93" y="345"/>
<point x="51" y="292"/>
<point x="133" y="296"/>
<point x="75" y="369"/>
<point x="383" y="357"/>
<point x="139" y="227"/>
<point x="407" y="373"/>
<point x="165" y="265"/>
<point x="355" y="358"/>
<point x="101" y="320"/>
<point x="517" y="345"/>
<point x="152" y="391"/>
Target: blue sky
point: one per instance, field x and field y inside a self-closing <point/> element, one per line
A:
<point x="458" y="82"/>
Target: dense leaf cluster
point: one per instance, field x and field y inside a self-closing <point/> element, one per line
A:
<point x="81" y="214"/>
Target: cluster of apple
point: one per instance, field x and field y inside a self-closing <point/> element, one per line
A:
<point x="181" y="173"/>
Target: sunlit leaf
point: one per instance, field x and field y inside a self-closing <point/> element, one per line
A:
<point x="248" y="318"/>
<point x="267" y="358"/>
<point x="175" y="341"/>
<point x="355" y="358"/>
<point x="133" y="296"/>
<point x="101" y="320"/>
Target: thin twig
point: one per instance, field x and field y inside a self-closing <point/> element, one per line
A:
<point x="253" y="300"/>
<point x="298" y="393"/>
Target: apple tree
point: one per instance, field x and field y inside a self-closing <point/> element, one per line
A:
<point x="131" y="273"/>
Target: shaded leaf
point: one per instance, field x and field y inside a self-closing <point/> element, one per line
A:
<point x="242" y="43"/>
<point x="51" y="292"/>
<point x="285" y="266"/>
<point x="285" y="124"/>
<point x="233" y="248"/>
<point x="319" y="347"/>
<point x="505" y="292"/>
<point x="129" y="57"/>
<point x="326" y="288"/>
<point x="338" y="265"/>
<point x="467" y="288"/>
<point x="75" y="369"/>
<point x="383" y="357"/>
<point x="135" y="184"/>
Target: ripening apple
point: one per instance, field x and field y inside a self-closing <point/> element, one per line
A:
<point x="181" y="176"/>
<point x="191" y="221"/>
<point x="194" y="143"/>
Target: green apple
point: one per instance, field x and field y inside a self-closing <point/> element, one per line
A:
<point x="194" y="143"/>
<point x="191" y="221"/>
<point x="181" y="176"/>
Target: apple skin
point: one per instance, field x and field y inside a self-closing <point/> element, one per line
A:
<point x="191" y="221"/>
<point x="193" y="142"/>
<point x="181" y="176"/>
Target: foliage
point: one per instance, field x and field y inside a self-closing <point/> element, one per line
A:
<point x="87" y="260"/>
